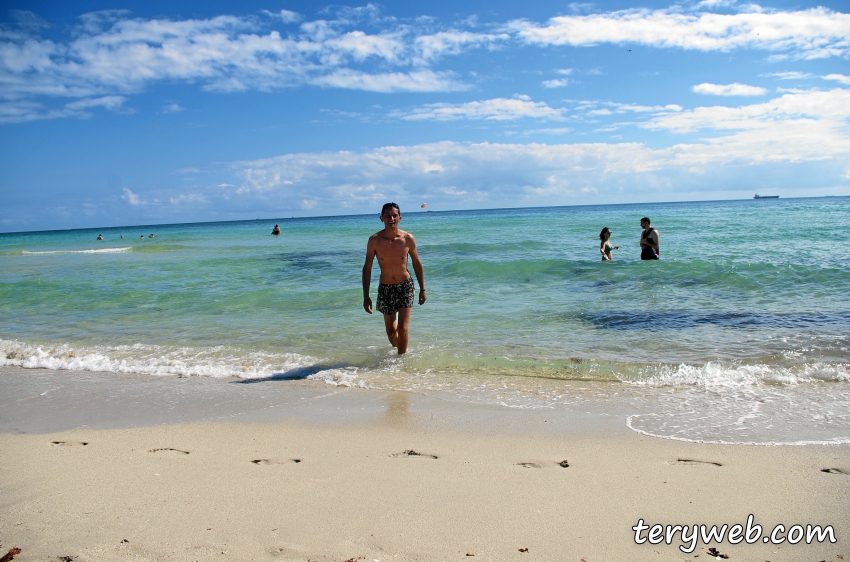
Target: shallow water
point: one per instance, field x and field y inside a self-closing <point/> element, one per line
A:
<point x="740" y="333"/>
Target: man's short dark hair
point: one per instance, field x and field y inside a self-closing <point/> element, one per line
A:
<point x="646" y="219"/>
<point x="389" y="206"/>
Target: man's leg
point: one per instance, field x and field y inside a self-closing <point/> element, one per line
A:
<point x="392" y="328"/>
<point x="403" y="325"/>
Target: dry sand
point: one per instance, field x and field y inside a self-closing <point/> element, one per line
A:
<point x="338" y="488"/>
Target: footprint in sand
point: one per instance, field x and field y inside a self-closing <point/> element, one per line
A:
<point x="269" y="461"/>
<point x="69" y="443"/>
<point x="834" y="471"/>
<point x="169" y="450"/>
<point x="694" y="461"/>
<point x="412" y="453"/>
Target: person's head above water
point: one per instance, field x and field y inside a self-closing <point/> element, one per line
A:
<point x="605" y="234"/>
<point x="388" y="206"/>
<point x="644" y="222"/>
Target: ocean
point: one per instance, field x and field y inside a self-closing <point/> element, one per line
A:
<point x="740" y="333"/>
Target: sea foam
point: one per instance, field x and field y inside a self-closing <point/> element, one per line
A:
<point x="217" y="362"/>
<point x="93" y="251"/>
<point x="717" y="376"/>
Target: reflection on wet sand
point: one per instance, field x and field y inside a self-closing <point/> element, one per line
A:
<point x="398" y="407"/>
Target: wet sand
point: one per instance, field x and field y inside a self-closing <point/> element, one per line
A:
<point x="108" y="467"/>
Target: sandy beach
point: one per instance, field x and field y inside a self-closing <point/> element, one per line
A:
<point x="341" y="474"/>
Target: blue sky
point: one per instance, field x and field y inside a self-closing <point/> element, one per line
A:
<point x="152" y="112"/>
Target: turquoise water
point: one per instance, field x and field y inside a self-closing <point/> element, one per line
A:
<point x="745" y="317"/>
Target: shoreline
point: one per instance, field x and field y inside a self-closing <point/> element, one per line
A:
<point x="190" y="489"/>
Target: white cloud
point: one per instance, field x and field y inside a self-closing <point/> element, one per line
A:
<point x="592" y="109"/>
<point x="130" y="197"/>
<point x="18" y="111"/>
<point x="792" y="75"/>
<point x="840" y="78"/>
<point x="828" y="108"/>
<point x="416" y="81"/>
<point x="729" y="89"/>
<point x="188" y="199"/>
<point x="815" y="33"/>
<point x="630" y="107"/>
<point x="498" y="109"/>
<point x="284" y="15"/>
<point x="112" y="54"/>
<point x="791" y="130"/>
<point x="172" y="108"/>
<point x="550" y="131"/>
<point x="431" y="47"/>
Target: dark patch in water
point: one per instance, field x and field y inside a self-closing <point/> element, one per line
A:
<point x="679" y="320"/>
<point x="313" y="261"/>
<point x="691" y="282"/>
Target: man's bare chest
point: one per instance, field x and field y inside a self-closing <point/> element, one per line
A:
<point x="394" y="251"/>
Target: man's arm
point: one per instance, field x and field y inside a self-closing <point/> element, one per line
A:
<point x="418" y="270"/>
<point x="367" y="274"/>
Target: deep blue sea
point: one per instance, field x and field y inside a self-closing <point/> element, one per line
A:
<point x="739" y="333"/>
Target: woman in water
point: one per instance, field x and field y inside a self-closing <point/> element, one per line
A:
<point x="605" y="246"/>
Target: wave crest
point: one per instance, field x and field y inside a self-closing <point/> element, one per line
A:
<point x="94" y="251"/>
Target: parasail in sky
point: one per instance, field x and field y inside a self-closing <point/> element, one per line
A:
<point x="423" y="205"/>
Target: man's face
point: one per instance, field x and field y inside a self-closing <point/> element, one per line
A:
<point x="644" y="224"/>
<point x="391" y="217"/>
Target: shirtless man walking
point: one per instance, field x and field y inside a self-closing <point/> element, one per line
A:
<point x="395" y="291"/>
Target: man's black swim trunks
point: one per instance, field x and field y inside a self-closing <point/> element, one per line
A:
<point x="393" y="297"/>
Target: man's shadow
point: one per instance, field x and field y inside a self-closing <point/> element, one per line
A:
<point x="296" y="374"/>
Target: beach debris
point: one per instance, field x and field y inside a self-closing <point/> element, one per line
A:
<point x="523" y="550"/>
<point x="716" y="553"/>
<point x="66" y="558"/>
<point x="124" y="540"/>
<point x="470" y="554"/>
<point x="352" y="559"/>
<point x="412" y="453"/>
<point x="564" y="464"/>
<point x="296" y="461"/>
<point x="169" y="449"/>
<point x="69" y="443"/>
<point x="833" y="471"/>
<point x="528" y="464"/>
<point x="694" y="461"/>
<point x="14" y="551"/>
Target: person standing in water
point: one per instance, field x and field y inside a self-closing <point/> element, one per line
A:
<point x="648" y="241"/>
<point x="392" y="246"/>
<point x="276" y="230"/>
<point x="605" y="246"/>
